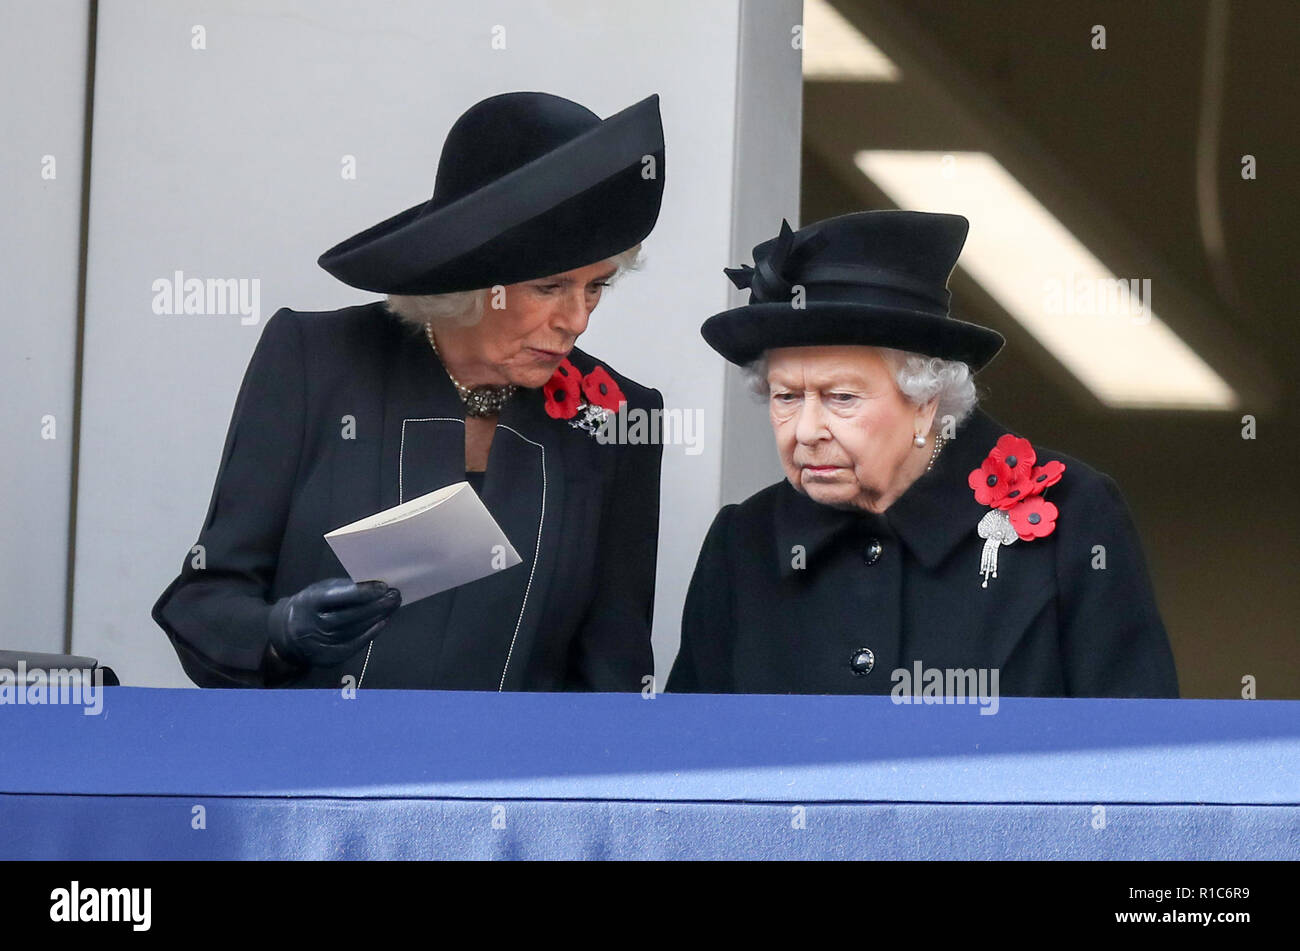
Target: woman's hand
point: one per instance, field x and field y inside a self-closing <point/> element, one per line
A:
<point x="327" y="622"/>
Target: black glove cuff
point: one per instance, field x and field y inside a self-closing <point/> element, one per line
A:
<point x="283" y="656"/>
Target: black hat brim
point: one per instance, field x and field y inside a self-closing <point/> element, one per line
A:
<point x="580" y="203"/>
<point x="743" y="333"/>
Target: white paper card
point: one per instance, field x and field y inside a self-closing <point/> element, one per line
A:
<point x="429" y="544"/>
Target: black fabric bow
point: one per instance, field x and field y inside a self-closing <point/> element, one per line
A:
<point x="769" y="279"/>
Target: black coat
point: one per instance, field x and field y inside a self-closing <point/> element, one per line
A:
<point x="1051" y="623"/>
<point x="583" y="516"/>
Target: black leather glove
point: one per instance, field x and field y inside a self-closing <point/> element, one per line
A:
<point x="327" y="622"/>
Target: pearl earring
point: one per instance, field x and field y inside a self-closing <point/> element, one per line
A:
<point x="919" y="441"/>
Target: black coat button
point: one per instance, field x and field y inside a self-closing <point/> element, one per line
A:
<point x="862" y="661"/>
<point x="871" y="554"/>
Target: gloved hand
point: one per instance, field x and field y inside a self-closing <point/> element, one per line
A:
<point x="327" y="622"/>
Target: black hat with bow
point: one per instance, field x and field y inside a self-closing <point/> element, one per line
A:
<point x="528" y="185"/>
<point x="875" y="278"/>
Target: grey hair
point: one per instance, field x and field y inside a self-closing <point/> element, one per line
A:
<point x="465" y="308"/>
<point x="918" y="377"/>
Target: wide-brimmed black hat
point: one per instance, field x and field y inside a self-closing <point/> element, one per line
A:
<point x="528" y="185"/>
<point x="877" y="278"/>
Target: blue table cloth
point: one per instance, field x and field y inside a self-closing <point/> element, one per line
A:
<point x="161" y="773"/>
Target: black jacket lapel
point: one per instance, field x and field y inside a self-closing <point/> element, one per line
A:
<point x="490" y="624"/>
<point x="424" y="425"/>
<point x="493" y="624"/>
<point x="422" y="449"/>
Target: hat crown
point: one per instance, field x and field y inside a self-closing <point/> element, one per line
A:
<point x="503" y="133"/>
<point x="923" y="246"/>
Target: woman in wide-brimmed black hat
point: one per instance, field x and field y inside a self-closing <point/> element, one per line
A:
<point x="467" y="371"/>
<point x="917" y="547"/>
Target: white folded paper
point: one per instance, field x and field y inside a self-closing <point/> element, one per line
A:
<point x="429" y="544"/>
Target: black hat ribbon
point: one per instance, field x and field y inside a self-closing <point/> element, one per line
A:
<point x="774" y="276"/>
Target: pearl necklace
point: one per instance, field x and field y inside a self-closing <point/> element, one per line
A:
<point x="938" y="445"/>
<point x="485" y="400"/>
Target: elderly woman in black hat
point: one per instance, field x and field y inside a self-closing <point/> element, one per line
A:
<point x="915" y="543"/>
<point x="466" y="372"/>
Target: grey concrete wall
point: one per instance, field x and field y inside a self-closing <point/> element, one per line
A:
<point x="43" y="61"/>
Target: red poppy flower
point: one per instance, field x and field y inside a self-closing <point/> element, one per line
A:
<point x="1016" y="454"/>
<point x="1017" y="492"/>
<point x="1033" y="518"/>
<point x="990" y="482"/>
<point x="561" y="391"/>
<point x="601" y="390"/>
<point x="1045" y="476"/>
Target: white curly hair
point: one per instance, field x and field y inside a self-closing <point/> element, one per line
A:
<point x="464" y="308"/>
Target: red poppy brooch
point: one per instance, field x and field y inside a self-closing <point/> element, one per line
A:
<point x="585" y="401"/>
<point x="1012" y="486"/>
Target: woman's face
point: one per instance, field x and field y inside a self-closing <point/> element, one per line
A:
<point x="528" y="328"/>
<point x="843" y="429"/>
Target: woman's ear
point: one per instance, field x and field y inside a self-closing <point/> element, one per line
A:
<point x="925" y="416"/>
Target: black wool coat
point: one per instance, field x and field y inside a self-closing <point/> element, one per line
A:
<point x="906" y="585"/>
<point x="583" y="516"/>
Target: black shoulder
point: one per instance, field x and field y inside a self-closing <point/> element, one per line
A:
<point x="719" y="539"/>
<point x="1091" y="511"/>
<point x="638" y="395"/>
<point x="1081" y="483"/>
<point x="1081" y="487"/>
<point x="751" y="522"/>
<point x="362" y="321"/>
<point x="762" y="503"/>
<point x="340" y="344"/>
